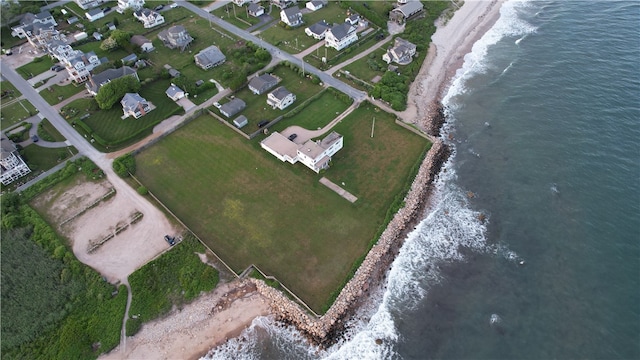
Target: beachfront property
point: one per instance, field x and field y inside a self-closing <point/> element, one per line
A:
<point x="175" y="37"/>
<point x="315" y="155"/>
<point x="209" y="57"/>
<point x="402" y="13"/>
<point x="148" y="17"/>
<point x="175" y="93"/>
<point x="316" y="5"/>
<point x="30" y="22"/>
<point x="12" y="166"/>
<point x="280" y="98"/>
<point x="145" y="44"/>
<point x="134" y="105"/>
<point x="401" y="53"/>
<point x="96" y="81"/>
<point x="263" y="83"/>
<point x="94" y="14"/>
<point x="291" y="16"/>
<point x="232" y="107"/>
<point x="129" y="4"/>
<point x="340" y="36"/>
<point x="318" y="30"/>
<point x="255" y="10"/>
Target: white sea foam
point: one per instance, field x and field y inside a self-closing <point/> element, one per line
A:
<point x="451" y="224"/>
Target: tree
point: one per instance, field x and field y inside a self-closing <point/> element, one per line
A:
<point x="121" y="37"/>
<point x="109" y="44"/>
<point x="113" y="91"/>
<point x="125" y="165"/>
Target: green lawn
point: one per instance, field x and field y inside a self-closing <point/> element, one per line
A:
<point x="16" y="112"/>
<point x="40" y="158"/>
<point x="241" y="18"/>
<point x="35" y="67"/>
<point x="48" y="132"/>
<point x="334" y="57"/>
<point x="316" y="114"/>
<point x="251" y="208"/>
<point x="12" y="92"/>
<point x="257" y="108"/>
<point x="56" y="93"/>
<point x="369" y="66"/>
<point x="107" y="125"/>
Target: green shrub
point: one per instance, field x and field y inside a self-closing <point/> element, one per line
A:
<point x="125" y="165"/>
<point x="142" y="190"/>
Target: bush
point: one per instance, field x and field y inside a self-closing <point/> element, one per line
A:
<point x="142" y="190"/>
<point x="124" y="165"/>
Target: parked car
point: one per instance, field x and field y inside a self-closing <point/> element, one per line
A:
<point x="159" y="7"/>
<point x="293" y="137"/>
<point x="35" y="138"/>
<point x="59" y="68"/>
<point x="170" y="239"/>
<point x="217" y="105"/>
<point x="174" y="5"/>
<point x="263" y="123"/>
<point x="106" y="8"/>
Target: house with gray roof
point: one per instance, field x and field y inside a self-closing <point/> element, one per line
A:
<point x="401" y="53"/>
<point x="135" y="105"/>
<point x="340" y="36"/>
<point x="145" y="44"/>
<point x="263" y="83"/>
<point x="240" y="121"/>
<point x="402" y="13"/>
<point x="232" y="107"/>
<point x="209" y="57"/>
<point x="175" y="37"/>
<point x="255" y="10"/>
<point x="175" y="93"/>
<point x="291" y="16"/>
<point x="280" y="98"/>
<point x="96" y="81"/>
<point x="12" y="166"/>
<point x="317" y="30"/>
<point x="94" y="14"/>
<point x="29" y="20"/>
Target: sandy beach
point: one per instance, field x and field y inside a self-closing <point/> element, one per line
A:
<point x="192" y="331"/>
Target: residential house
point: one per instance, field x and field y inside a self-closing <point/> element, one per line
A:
<point x="60" y="50"/>
<point x="148" y="17"/>
<point x="316" y="5"/>
<point x="129" y="59"/>
<point x="145" y="44"/>
<point x="402" y="13"/>
<point x="316" y="155"/>
<point x="209" y="57"/>
<point x="318" y="30"/>
<point x="96" y="81"/>
<point x="263" y="83"/>
<point x="135" y="105"/>
<point x="240" y="121"/>
<point x="111" y="26"/>
<point x="352" y="19"/>
<point x="129" y="4"/>
<point x="12" y="166"/>
<point x="175" y="37"/>
<point x="280" y="98"/>
<point x="243" y="2"/>
<point x="175" y="93"/>
<point x="282" y="4"/>
<point x="401" y="53"/>
<point x="94" y="14"/>
<point x="340" y="36"/>
<point x="29" y="20"/>
<point x="96" y="35"/>
<point x="232" y="107"/>
<point x="72" y="20"/>
<point x="80" y="65"/>
<point x="88" y="4"/>
<point x="174" y="73"/>
<point x="291" y="16"/>
<point x="42" y="34"/>
<point x="255" y="10"/>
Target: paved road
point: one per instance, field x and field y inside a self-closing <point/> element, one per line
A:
<point x="355" y="94"/>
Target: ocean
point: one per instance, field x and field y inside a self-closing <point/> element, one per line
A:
<point x="531" y="246"/>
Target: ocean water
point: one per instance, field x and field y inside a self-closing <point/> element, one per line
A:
<point x="531" y="246"/>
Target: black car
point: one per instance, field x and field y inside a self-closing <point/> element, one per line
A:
<point x="35" y="138"/>
<point x="106" y="8"/>
<point x="293" y="136"/>
<point x="159" y="7"/>
<point x="263" y="123"/>
<point x="170" y="239"/>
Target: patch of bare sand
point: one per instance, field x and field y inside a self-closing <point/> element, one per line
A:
<point x="190" y="332"/>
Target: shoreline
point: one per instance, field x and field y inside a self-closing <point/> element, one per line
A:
<point x="215" y="317"/>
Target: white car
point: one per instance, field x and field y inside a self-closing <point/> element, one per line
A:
<point x="217" y="105"/>
<point x="174" y="5"/>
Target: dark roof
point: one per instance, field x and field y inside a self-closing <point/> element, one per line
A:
<point x="319" y="27"/>
<point x="210" y="55"/>
<point x="340" y="31"/>
<point x="263" y="82"/>
<point x="233" y="107"/>
<point x="99" y="79"/>
<point x="280" y="93"/>
<point x="139" y="40"/>
<point x="409" y="8"/>
<point x="293" y="14"/>
<point x="93" y="12"/>
<point x="255" y="7"/>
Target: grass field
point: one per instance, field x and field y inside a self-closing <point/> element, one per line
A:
<point x="316" y="114"/>
<point x="56" y="93"/>
<point x="8" y="86"/>
<point x="16" y="112"/>
<point x="40" y="158"/>
<point x="48" y="132"/>
<point x="241" y="18"/>
<point x="362" y="70"/>
<point x="251" y="208"/>
<point x="35" y="67"/>
<point x="117" y="132"/>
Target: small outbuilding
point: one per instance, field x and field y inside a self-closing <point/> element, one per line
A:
<point x="240" y="121"/>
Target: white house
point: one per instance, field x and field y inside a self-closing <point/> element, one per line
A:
<point x="145" y="44"/>
<point x="243" y="2"/>
<point x="148" y="17"/>
<point x="26" y="26"/>
<point x="12" y="166"/>
<point x="316" y="155"/>
<point x="88" y="4"/>
<point x="80" y="65"/>
<point x="94" y="14"/>
<point x="291" y="16"/>
<point x="132" y="4"/>
<point x="283" y="3"/>
<point x="280" y="98"/>
<point x="255" y="10"/>
<point x="240" y="121"/>
<point x="175" y="37"/>
<point x="352" y="19"/>
<point x="135" y="105"/>
<point x="315" y="5"/>
<point x="317" y="30"/>
<point x="401" y="53"/>
<point x="340" y="36"/>
<point x="175" y="93"/>
<point x="233" y="107"/>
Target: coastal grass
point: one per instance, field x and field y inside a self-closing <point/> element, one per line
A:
<point x="176" y="277"/>
<point x="56" y="93"/>
<point x="250" y="208"/>
<point x="36" y="67"/>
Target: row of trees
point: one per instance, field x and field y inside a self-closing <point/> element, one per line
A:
<point x="113" y="91"/>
